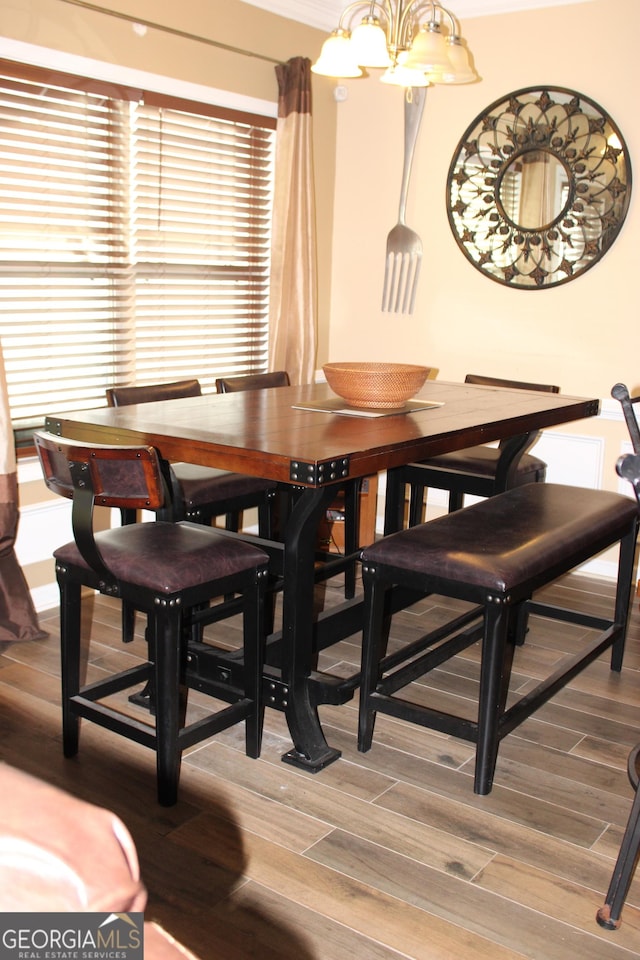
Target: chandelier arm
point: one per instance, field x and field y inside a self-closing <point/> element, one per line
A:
<point x="454" y="26"/>
<point x="401" y="24"/>
<point x="350" y="9"/>
<point x="409" y="18"/>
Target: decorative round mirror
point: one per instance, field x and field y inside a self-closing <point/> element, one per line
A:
<point x="538" y="187"/>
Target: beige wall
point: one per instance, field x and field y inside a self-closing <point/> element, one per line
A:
<point x="582" y="335"/>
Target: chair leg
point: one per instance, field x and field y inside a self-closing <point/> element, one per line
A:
<point x="416" y="504"/>
<point x="608" y="915"/>
<point x="351" y="534"/>
<point x="373" y="642"/>
<point x="128" y="612"/>
<point x="394" y="501"/>
<point x="232" y="521"/>
<point x="456" y="500"/>
<point x="70" y="652"/>
<point x="254" y="650"/>
<point x="494" y="679"/>
<point x="170" y="693"/>
<point x="520" y="626"/>
<point x="623" y="595"/>
<point x="266" y="519"/>
<point x="128" y="622"/>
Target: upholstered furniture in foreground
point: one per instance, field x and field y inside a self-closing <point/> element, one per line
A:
<point x="60" y="854"/>
<point x="170" y="572"/>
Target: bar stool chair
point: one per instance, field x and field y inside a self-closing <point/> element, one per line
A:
<point x="495" y="554"/>
<point x="253" y="381"/>
<point x="621" y="393"/>
<point x="351" y="490"/>
<point x="170" y="571"/>
<point x="203" y="493"/>
<point x="198" y="493"/>
<point x="480" y="471"/>
<point x="608" y="916"/>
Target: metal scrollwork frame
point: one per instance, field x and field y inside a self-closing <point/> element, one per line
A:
<point x="592" y="178"/>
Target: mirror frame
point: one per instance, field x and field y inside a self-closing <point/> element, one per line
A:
<point x="578" y="133"/>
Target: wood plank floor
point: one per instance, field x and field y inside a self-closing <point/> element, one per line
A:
<point x="382" y="855"/>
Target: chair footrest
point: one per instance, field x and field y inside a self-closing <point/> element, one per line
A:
<point x="145" y="734"/>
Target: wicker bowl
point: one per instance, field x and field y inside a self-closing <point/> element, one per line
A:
<point x="375" y="385"/>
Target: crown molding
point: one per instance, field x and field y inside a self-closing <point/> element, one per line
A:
<point x="324" y="14"/>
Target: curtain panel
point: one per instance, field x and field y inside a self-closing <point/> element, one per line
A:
<point x="18" y="619"/>
<point x="293" y="294"/>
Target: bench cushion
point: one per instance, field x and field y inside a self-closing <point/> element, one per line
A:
<point x="510" y="539"/>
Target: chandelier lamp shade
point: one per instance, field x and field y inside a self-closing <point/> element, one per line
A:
<point x="415" y="43"/>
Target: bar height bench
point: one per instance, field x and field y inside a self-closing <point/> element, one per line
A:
<point x="496" y="554"/>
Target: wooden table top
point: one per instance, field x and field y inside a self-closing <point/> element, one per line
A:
<point x="262" y="433"/>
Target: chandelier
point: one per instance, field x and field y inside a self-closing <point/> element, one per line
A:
<point x="416" y="43"/>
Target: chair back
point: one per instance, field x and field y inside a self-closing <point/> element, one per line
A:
<point x="113" y="476"/>
<point x="628" y="467"/>
<point x="514" y="448"/>
<point x="253" y="381"/>
<point x="128" y="478"/>
<point x="124" y="396"/>
<point x="511" y="384"/>
<point x="620" y="392"/>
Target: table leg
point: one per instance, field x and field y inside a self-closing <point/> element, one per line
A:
<point x="310" y="750"/>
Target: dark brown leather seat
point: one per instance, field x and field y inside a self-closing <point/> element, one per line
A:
<point x="59" y="854"/>
<point x="479" y="471"/>
<point x="170" y="571"/>
<point x="496" y="554"/>
<point x="203" y="493"/>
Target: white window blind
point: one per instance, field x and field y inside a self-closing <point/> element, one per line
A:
<point x="134" y="240"/>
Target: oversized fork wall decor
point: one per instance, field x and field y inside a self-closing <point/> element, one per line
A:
<point x="404" y="246"/>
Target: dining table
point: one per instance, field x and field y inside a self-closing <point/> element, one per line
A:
<point x="308" y="440"/>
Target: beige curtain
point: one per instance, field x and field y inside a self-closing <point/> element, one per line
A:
<point x="293" y="311"/>
<point x="18" y="619"/>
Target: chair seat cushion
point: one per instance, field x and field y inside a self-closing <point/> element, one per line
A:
<point x="510" y="539"/>
<point x="482" y="461"/>
<point x="168" y="557"/>
<point x="205" y="485"/>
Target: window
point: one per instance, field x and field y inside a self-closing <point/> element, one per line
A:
<point x="134" y="240"/>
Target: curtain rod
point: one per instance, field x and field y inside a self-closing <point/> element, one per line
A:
<point x="177" y="33"/>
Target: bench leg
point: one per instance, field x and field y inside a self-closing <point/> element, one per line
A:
<point x="374" y="639"/>
<point x="494" y="680"/>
